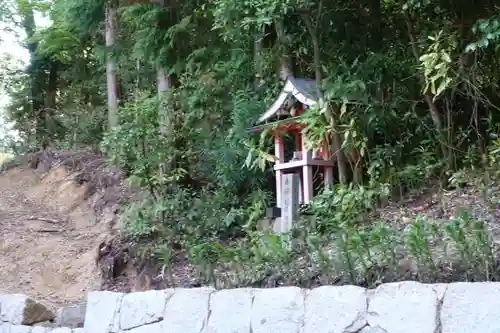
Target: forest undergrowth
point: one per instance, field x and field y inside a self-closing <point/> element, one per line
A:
<point x="349" y="235"/>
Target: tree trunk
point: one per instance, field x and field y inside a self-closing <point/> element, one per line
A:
<point x="376" y="33"/>
<point x="428" y="97"/>
<point x="257" y="59"/>
<point x="51" y="91"/>
<point x="36" y="73"/>
<point x="111" y="75"/>
<point x="336" y="139"/>
<point x="163" y="85"/>
<point x="285" y="66"/>
<point x="49" y="112"/>
<point x="357" y="170"/>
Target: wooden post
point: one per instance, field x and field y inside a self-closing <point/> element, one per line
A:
<point x="299" y="147"/>
<point x="307" y="179"/>
<point x="298" y="141"/>
<point x="279" y="151"/>
<point x="328" y="177"/>
<point x="301" y="189"/>
<point x="307" y="175"/>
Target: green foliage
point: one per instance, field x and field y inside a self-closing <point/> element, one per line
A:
<point x="137" y="145"/>
<point x="436" y="65"/>
<point x="345" y="204"/>
<point x="352" y="253"/>
<point x="489" y="29"/>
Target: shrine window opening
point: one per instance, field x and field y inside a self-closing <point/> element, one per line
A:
<point x="289" y="145"/>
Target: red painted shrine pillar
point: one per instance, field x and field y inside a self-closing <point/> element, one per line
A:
<point x="298" y="141"/>
<point x="279" y="151"/>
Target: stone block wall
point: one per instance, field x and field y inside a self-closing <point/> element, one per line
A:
<point x="405" y="307"/>
<point x="21" y="314"/>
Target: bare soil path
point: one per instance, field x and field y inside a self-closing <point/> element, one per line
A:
<point x="47" y="237"/>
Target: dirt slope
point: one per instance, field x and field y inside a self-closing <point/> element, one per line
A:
<point x="49" y="234"/>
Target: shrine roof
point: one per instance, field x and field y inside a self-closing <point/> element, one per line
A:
<point x="275" y="124"/>
<point x="303" y="90"/>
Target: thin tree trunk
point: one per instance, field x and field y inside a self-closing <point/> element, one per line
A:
<point x="163" y="85"/>
<point x="37" y="75"/>
<point x="336" y="139"/>
<point x="257" y="58"/>
<point x="111" y="70"/>
<point x="357" y="170"/>
<point x="50" y="123"/>
<point x="50" y="97"/>
<point x="285" y="66"/>
<point x="138" y="78"/>
<point x="376" y="15"/>
<point x="428" y="97"/>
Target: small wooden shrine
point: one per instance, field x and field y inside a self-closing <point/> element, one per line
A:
<point x="283" y="119"/>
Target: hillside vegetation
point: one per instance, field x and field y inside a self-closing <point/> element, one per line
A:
<point x="167" y="89"/>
